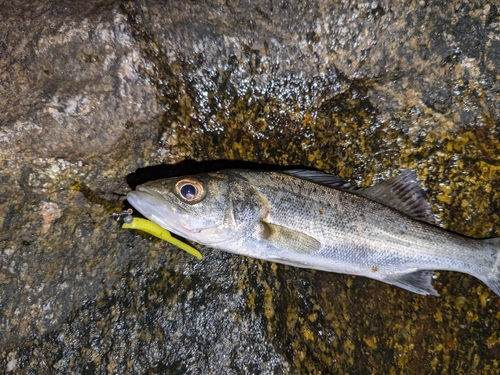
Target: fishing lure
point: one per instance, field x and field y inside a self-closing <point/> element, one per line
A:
<point x="130" y="222"/>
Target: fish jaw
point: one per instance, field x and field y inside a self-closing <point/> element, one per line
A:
<point x="171" y="216"/>
<point x="152" y="207"/>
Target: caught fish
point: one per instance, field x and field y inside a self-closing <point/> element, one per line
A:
<point x="311" y="219"/>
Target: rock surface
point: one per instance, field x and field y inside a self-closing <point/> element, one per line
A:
<point x="91" y="92"/>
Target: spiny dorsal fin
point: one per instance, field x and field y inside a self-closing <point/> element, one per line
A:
<point x="321" y="178"/>
<point x="402" y="192"/>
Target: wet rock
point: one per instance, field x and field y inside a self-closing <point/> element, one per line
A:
<point x="92" y="92"/>
<point x="70" y="81"/>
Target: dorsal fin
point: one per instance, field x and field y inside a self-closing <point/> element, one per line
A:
<point x="321" y="178"/>
<point x="402" y="192"/>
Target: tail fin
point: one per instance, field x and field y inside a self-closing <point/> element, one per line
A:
<point x="492" y="277"/>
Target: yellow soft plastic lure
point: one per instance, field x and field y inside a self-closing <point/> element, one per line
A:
<point x="157" y="231"/>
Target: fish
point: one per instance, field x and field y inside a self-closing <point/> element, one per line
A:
<point x="311" y="219"/>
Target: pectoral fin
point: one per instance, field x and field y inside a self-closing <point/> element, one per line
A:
<point x="289" y="239"/>
<point x="417" y="282"/>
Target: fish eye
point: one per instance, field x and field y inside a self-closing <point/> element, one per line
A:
<point x="190" y="190"/>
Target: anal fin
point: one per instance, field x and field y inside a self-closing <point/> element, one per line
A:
<point x="417" y="282"/>
<point x="289" y="239"/>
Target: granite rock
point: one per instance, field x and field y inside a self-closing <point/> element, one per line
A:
<point x="92" y="93"/>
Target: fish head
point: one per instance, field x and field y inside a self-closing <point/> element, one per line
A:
<point x="207" y="208"/>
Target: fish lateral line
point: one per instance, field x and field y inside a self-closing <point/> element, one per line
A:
<point x="157" y="231"/>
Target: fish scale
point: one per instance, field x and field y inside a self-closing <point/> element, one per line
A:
<point x="314" y="220"/>
<point x="335" y="229"/>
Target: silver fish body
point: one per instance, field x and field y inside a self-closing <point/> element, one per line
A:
<point x="315" y="220"/>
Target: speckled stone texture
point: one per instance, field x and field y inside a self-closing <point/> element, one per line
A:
<point x="90" y="92"/>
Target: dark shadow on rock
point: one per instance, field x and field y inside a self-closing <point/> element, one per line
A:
<point x="188" y="167"/>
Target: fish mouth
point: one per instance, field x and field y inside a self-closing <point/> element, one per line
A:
<point x="170" y="216"/>
<point x="155" y="208"/>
